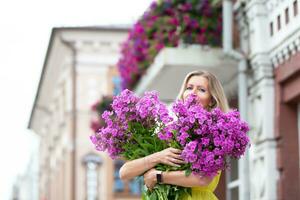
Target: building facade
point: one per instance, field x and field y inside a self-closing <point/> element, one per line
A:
<point x="264" y="84"/>
<point x="79" y="69"/>
<point x="273" y="44"/>
<point x="260" y="74"/>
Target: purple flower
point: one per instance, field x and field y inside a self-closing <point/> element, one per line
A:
<point x="127" y="109"/>
<point x="163" y="24"/>
<point x="207" y="138"/>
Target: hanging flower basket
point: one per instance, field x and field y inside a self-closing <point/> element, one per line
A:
<point x="99" y="107"/>
<point x="167" y="23"/>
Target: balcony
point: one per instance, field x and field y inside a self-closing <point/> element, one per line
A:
<point x="171" y="65"/>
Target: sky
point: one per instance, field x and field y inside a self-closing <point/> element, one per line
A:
<point x="24" y="36"/>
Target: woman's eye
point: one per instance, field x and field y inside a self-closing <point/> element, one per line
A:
<point x="202" y="90"/>
<point x="189" y="88"/>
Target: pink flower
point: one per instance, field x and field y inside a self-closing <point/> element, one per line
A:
<point x="159" y="46"/>
<point x="159" y="27"/>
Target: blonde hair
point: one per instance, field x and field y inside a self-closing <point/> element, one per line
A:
<point x="214" y="86"/>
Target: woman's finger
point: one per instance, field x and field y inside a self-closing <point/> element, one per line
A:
<point x="176" y="156"/>
<point x="149" y="187"/>
<point x="177" y="151"/>
<point x="176" y="161"/>
<point x="173" y="164"/>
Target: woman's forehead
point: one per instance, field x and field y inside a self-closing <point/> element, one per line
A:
<point x="198" y="81"/>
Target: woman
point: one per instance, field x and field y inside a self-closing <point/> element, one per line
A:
<point x="210" y="95"/>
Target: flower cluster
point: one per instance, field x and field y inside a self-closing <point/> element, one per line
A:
<point x="140" y="126"/>
<point x="149" y="107"/>
<point x="132" y="121"/>
<point x="130" y="132"/>
<point x="207" y="138"/>
<point x="98" y="108"/>
<point x="164" y="24"/>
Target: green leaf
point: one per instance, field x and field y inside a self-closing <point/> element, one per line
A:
<point x="144" y="196"/>
<point x="176" y="196"/>
<point x="215" y="2"/>
<point x="188" y="172"/>
<point x="189" y="191"/>
<point x="153" y="196"/>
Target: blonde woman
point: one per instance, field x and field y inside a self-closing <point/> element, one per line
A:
<point x="210" y="94"/>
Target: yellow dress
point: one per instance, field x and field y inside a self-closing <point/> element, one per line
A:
<point x="202" y="193"/>
<point x="205" y="192"/>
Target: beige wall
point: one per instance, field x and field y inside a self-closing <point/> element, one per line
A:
<point x="52" y="115"/>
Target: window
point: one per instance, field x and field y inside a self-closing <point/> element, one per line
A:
<point x="278" y="23"/>
<point x="92" y="163"/>
<point x="287" y="17"/>
<point x="133" y="187"/>
<point x="271" y="29"/>
<point x="92" y="181"/>
<point x="118" y="184"/>
<point x="235" y="193"/>
<point x="136" y="185"/>
<point x="232" y="179"/>
<point x="116" y="85"/>
<point x="295" y="5"/>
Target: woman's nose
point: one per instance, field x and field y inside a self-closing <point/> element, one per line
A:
<point x="194" y="91"/>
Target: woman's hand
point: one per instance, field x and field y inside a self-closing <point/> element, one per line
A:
<point x="170" y="156"/>
<point x="150" y="178"/>
<point x="133" y="168"/>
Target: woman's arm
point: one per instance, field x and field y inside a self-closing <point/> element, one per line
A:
<point x="169" y="156"/>
<point x="176" y="178"/>
<point x="179" y="178"/>
<point x="137" y="167"/>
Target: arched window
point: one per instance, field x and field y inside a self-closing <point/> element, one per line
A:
<point x="92" y="163"/>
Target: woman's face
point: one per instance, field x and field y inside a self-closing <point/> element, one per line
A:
<point x="198" y="85"/>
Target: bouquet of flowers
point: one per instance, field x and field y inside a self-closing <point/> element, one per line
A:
<point x="206" y="137"/>
<point x="137" y="127"/>
<point x="132" y="127"/>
